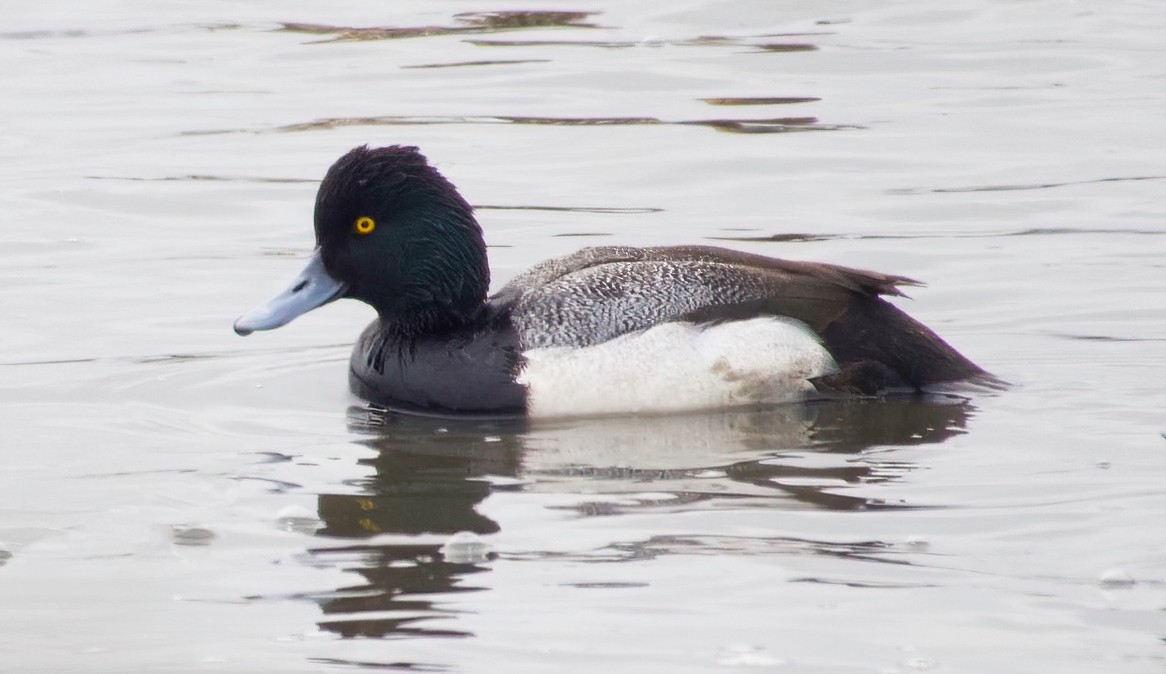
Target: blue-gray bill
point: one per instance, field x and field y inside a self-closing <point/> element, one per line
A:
<point x="313" y="287"/>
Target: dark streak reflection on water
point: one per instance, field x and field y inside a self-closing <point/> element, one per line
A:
<point x="430" y="475"/>
<point x="470" y="22"/>
<point x="760" y="100"/>
<point x="462" y="64"/>
<point x="783" y="238"/>
<point x="385" y="666"/>
<point x="760" y="125"/>
<point x="785" y="47"/>
<point x="1104" y="338"/>
<point x="177" y="358"/>
<point x="574" y="209"/>
<point x="395" y="581"/>
<point x="1011" y="188"/>
<point x="658" y="546"/>
<point x="702" y="41"/>
<point x="68" y="34"/>
<point x="1036" y="231"/>
<point x="207" y="178"/>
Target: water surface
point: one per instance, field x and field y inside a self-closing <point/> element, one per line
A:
<point x="174" y="498"/>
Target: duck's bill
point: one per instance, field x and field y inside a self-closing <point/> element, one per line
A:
<point x="314" y="287"/>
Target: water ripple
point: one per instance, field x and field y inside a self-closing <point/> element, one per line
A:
<point x="1013" y="188"/>
<point x="1034" y="231"/>
<point x="761" y="100"/>
<point x="461" y="64"/>
<point x="470" y="23"/>
<point x="762" y="125"/>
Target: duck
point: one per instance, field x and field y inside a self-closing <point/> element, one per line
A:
<point x="608" y="330"/>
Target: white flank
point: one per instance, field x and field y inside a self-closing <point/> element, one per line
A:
<point x="677" y="367"/>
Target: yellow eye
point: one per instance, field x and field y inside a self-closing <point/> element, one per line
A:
<point x="364" y="225"/>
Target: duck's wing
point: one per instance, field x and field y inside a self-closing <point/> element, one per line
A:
<point x="549" y="271"/>
<point x="600" y="293"/>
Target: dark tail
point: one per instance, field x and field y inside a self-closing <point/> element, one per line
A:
<point x="878" y="347"/>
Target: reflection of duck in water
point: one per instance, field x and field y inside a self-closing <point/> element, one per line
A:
<point x="431" y="475"/>
<point x="606" y="330"/>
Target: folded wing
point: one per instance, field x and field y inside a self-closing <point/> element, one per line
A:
<point x="600" y="293"/>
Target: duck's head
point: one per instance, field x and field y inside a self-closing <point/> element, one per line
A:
<point x="392" y="232"/>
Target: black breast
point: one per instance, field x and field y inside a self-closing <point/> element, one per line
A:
<point x="465" y="372"/>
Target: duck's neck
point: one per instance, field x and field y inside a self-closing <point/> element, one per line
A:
<point x="423" y="322"/>
<point x="441" y="281"/>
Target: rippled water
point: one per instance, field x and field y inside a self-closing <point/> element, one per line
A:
<point x="174" y="498"/>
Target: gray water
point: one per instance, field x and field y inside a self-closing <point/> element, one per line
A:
<point x="174" y="498"/>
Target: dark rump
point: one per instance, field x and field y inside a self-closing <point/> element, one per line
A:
<point x="879" y="347"/>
